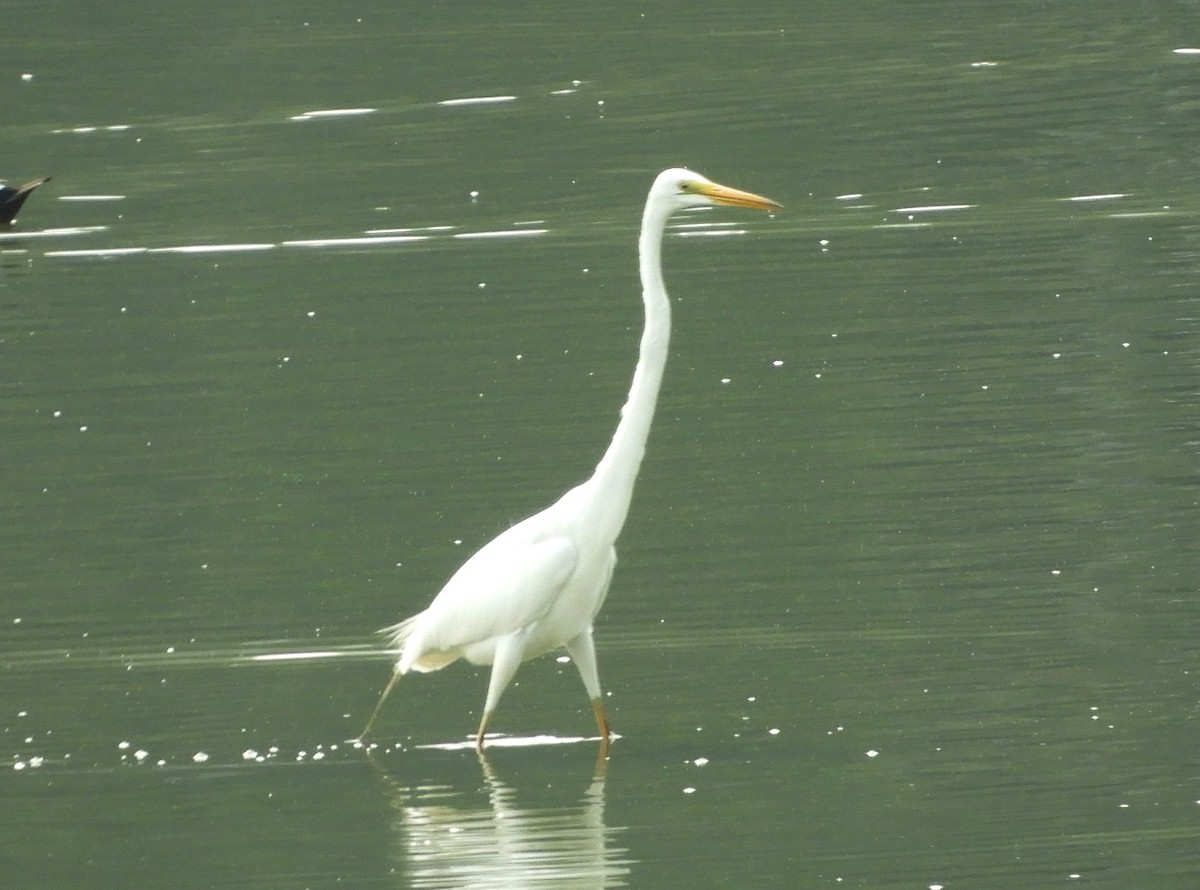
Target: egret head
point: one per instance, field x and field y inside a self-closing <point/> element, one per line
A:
<point x="680" y="189"/>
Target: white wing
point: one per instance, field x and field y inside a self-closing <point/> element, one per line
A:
<point x="507" y="585"/>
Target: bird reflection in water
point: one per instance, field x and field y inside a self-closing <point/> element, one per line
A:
<point x="499" y="836"/>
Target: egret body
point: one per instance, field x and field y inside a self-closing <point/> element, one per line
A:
<point x="539" y="585"/>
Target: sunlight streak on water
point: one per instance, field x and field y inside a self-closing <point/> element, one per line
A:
<point x="364" y="241"/>
<point x="711" y="233"/>
<point x="183" y="657"/>
<point x="110" y="128"/>
<point x="213" y="248"/>
<point x="64" y="232"/>
<point x="332" y="113"/>
<point x="508" y="233"/>
<point x="374" y="238"/>
<point x="933" y="208"/>
<point x="297" y="656"/>
<point x="477" y="100"/>
<point x="503" y="741"/>
<point x="410" y="230"/>
<point x="96" y="252"/>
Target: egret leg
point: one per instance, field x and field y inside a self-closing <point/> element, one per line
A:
<point x="601" y="721"/>
<point x="504" y="667"/>
<point x="392" y="682"/>
<point x="482" y="730"/>
<point x="583" y="652"/>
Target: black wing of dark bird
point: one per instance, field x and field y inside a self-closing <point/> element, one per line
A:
<point x="11" y="199"/>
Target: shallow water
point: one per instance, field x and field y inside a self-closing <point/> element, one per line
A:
<point x="908" y="593"/>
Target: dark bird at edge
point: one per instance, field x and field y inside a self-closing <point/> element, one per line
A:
<point x="11" y="199"/>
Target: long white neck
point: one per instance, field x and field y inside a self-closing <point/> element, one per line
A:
<point x="617" y="471"/>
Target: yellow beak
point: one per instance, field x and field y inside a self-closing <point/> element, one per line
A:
<point x="723" y="194"/>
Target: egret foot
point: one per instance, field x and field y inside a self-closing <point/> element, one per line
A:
<point x="482" y="731"/>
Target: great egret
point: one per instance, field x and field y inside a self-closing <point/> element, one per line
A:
<point x="540" y="584"/>
<point x="11" y="199"/>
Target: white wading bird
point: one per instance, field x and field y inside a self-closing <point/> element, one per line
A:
<point x="540" y="584"/>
